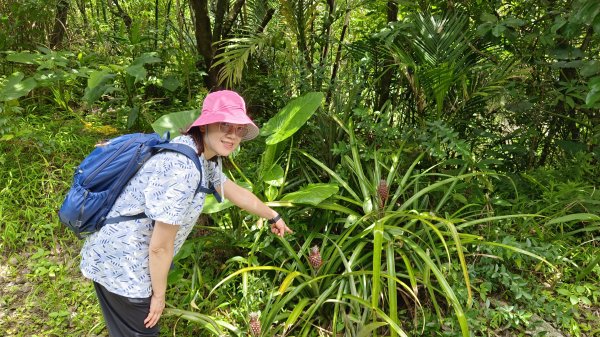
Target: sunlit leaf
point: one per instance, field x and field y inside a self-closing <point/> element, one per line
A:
<point x="23" y="57"/>
<point x="175" y="122"/>
<point x="312" y="194"/>
<point x="574" y="217"/>
<point x="291" y="118"/>
<point x="275" y="176"/>
<point x="16" y="87"/>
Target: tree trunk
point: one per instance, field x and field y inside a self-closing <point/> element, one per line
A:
<point x="233" y="13"/>
<point x="204" y="41"/>
<point x="60" y="24"/>
<point x="121" y="13"/>
<point x="265" y="20"/>
<point x="338" y="58"/>
<point x="221" y="9"/>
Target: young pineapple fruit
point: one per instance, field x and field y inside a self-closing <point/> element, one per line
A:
<point x="315" y="257"/>
<point x="383" y="191"/>
<point x="254" y="324"/>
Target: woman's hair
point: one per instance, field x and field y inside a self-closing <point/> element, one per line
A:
<point x="196" y="135"/>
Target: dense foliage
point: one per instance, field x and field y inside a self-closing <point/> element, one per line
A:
<point x="438" y="161"/>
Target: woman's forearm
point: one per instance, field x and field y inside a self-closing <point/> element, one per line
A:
<point x="161" y="255"/>
<point x="246" y="200"/>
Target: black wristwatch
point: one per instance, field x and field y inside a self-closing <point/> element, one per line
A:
<point x="274" y="220"/>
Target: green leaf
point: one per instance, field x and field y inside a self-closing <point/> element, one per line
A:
<point x="498" y="30"/>
<point x="574" y="299"/>
<point x="97" y="85"/>
<point x="296" y="313"/>
<point x="275" y="176"/>
<point x="574" y="217"/>
<point x="170" y="83"/>
<point x="211" y="205"/>
<point x="146" y="58"/>
<point x="132" y="117"/>
<point x="16" y="87"/>
<point x="23" y="57"/>
<point x="138" y="71"/>
<point x="594" y="95"/>
<point x="175" y="122"/>
<point x="312" y="194"/>
<point x="291" y="118"/>
<point x="487" y="17"/>
<point x="287" y="281"/>
<point x="590" y="68"/>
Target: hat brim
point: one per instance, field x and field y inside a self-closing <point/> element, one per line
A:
<point x="206" y="119"/>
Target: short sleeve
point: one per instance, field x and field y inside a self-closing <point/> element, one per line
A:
<point x="171" y="187"/>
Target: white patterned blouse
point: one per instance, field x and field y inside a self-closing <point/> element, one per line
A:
<point x="117" y="255"/>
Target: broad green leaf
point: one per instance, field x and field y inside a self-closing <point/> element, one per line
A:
<point x="573" y="299"/>
<point x="175" y="122"/>
<point x="593" y="96"/>
<point x="23" y="57"/>
<point x="97" y="85"/>
<point x="136" y="68"/>
<point x="211" y="205"/>
<point x="138" y="71"/>
<point x="590" y="68"/>
<point x="16" y="87"/>
<point x="274" y="176"/>
<point x="498" y="30"/>
<point x="291" y="118"/>
<point x="146" y="58"/>
<point x="170" y="83"/>
<point x="487" y="17"/>
<point x="312" y="194"/>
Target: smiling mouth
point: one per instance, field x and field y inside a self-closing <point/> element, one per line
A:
<point x="228" y="145"/>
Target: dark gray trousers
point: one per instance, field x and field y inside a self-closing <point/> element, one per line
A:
<point x="125" y="316"/>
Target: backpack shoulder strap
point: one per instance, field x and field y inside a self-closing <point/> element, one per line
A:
<point x="183" y="149"/>
<point x="190" y="153"/>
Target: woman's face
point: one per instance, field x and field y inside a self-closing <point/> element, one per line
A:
<point x="222" y="138"/>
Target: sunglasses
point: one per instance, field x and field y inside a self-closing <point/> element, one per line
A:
<point x="240" y="130"/>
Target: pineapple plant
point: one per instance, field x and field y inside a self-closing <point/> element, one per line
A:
<point x="254" y="324"/>
<point x="315" y="257"/>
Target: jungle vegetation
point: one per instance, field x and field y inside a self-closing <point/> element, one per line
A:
<point x="437" y="160"/>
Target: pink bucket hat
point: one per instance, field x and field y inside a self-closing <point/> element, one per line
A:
<point x="226" y="106"/>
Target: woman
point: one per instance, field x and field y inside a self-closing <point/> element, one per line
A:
<point x="129" y="261"/>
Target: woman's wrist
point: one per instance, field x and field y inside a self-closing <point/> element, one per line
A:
<point x="274" y="219"/>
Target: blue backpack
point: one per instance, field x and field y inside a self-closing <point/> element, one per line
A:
<point x="102" y="175"/>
